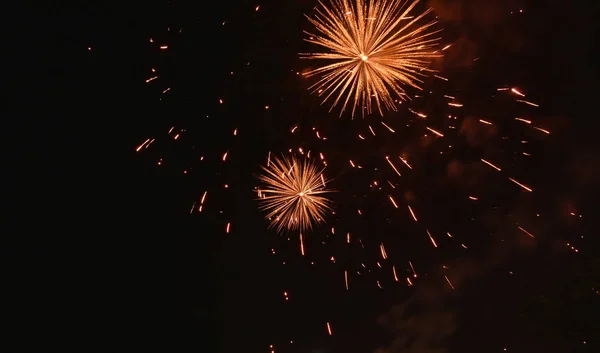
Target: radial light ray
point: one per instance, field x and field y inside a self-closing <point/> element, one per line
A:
<point x="293" y="194"/>
<point x="375" y="49"/>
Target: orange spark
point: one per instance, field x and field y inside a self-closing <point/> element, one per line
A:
<point x="515" y="91"/>
<point x="394" y="202"/>
<point x="142" y="145"/>
<point x="521" y="185"/>
<point x="528" y="103"/>
<point x="431" y="238"/>
<point x="382" y="249"/>
<point x="346" y="278"/>
<point x="389" y="128"/>
<point x="412" y="269"/>
<point x="490" y="164"/>
<point x="412" y="214"/>
<point x="393" y="166"/>
<point x="405" y="162"/>
<point x="526" y="232"/>
<point x="523" y="120"/>
<point x="435" y="132"/>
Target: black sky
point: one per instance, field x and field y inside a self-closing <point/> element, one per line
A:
<point x="110" y="259"/>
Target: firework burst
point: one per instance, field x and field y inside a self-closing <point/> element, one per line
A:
<point x="376" y="49"/>
<point x="293" y="194"/>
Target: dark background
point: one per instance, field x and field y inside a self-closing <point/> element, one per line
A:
<point x="107" y="258"/>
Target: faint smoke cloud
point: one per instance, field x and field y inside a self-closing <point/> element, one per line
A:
<point x="421" y="325"/>
<point x="427" y="321"/>
<point x="475" y="12"/>
<point x="469" y="23"/>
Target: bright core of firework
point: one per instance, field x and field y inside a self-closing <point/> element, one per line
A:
<point x="293" y="194"/>
<point x="376" y="49"/>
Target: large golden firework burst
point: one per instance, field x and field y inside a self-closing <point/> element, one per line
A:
<point x="293" y="194"/>
<point x="376" y="48"/>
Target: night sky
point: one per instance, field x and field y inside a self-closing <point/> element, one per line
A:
<point x="117" y="262"/>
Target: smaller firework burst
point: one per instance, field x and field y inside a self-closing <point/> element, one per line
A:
<point x="293" y="194"/>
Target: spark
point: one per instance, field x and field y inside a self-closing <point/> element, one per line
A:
<point x="431" y="238"/>
<point x="542" y="130"/>
<point x="515" y="91"/>
<point x="412" y="213"/>
<point x="383" y="252"/>
<point x="346" y="278"/>
<point x="523" y="120"/>
<point x="372" y="132"/>
<point x="293" y="197"/>
<point x="145" y="144"/>
<point x="528" y="103"/>
<point x="491" y="165"/>
<point x="420" y="115"/>
<point x="393" y="202"/>
<point x="393" y="166"/>
<point x="412" y="268"/>
<point x="435" y="132"/>
<point x="405" y="162"/>
<point x="526" y="232"/>
<point x="448" y="280"/>
<point x="389" y="128"/>
<point x="521" y="185"/>
<point x="373" y="54"/>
